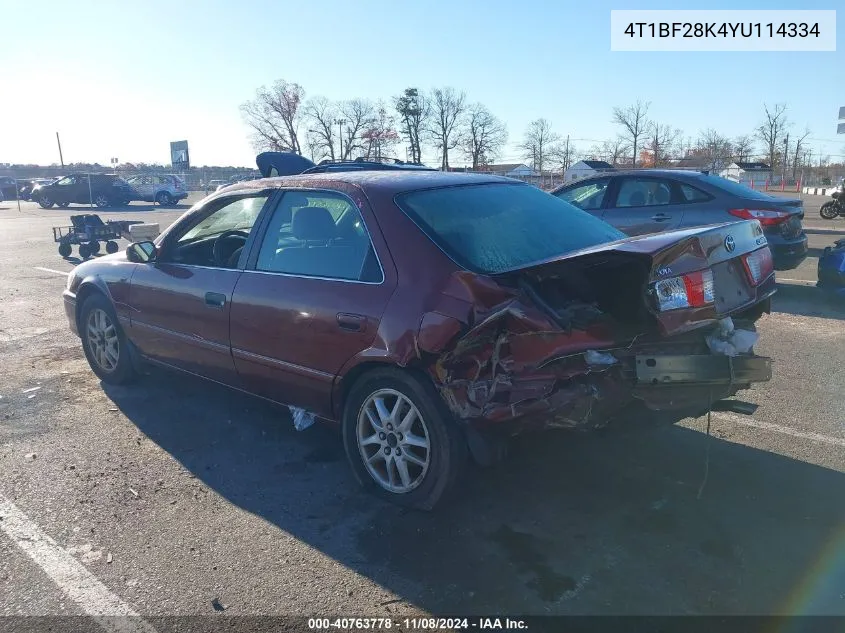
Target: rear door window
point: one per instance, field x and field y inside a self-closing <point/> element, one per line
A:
<point x="692" y="194"/>
<point x="319" y="234"/>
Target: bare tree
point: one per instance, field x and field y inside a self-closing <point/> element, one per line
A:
<point x="714" y="148"/>
<point x="615" y="150"/>
<point x="660" y="140"/>
<point x="447" y="110"/>
<point x="274" y="116"/>
<point x="564" y="154"/>
<point x="540" y="143"/>
<point x="799" y="145"/>
<point x="321" y="115"/>
<point x="771" y="130"/>
<point x="484" y="137"/>
<point x="634" y="122"/>
<point x="743" y="148"/>
<point x="380" y="136"/>
<point x="414" y="110"/>
<point x="359" y="114"/>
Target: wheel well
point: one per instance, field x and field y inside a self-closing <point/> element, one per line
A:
<point x="353" y="375"/>
<point x="81" y="296"/>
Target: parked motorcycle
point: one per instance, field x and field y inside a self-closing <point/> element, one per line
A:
<point x="836" y="207"/>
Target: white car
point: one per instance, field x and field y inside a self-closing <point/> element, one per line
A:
<point x="164" y="189"/>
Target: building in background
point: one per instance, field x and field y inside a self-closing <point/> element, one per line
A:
<point x="584" y="168"/>
<point x="746" y="172"/>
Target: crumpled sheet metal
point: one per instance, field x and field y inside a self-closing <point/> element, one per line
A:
<point x="516" y="362"/>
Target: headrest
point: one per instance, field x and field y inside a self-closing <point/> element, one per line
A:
<point x="313" y="223"/>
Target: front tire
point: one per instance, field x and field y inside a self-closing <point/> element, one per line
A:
<point x="65" y="249"/>
<point x="63" y="205"/>
<point x="401" y="440"/>
<point x="111" y="247"/>
<point x="164" y="199"/>
<point x="104" y="343"/>
<point x="829" y="210"/>
<point x="45" y="202"/>
<point x="102" y="201"/>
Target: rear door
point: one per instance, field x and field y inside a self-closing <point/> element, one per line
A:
<point x="645" y="204"/>
<point x="310" y="299"/>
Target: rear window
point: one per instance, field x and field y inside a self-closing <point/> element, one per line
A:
<point x="493" y="228"/>
<point x="735" y="188"/>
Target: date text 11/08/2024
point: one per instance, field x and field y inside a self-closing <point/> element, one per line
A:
<point x="416" y="624"/>
<point x="724" y="29"/>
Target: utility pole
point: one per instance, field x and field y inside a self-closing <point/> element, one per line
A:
<point x="61" y="160"/>
<point x="785" y="157"/>
<point x="340" y="123"/>
<point x="566" y="155"/>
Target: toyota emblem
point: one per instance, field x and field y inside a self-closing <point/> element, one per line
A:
<point x="730" y="245"/>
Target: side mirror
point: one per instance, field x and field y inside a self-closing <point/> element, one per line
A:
<point x="141" y="252"/>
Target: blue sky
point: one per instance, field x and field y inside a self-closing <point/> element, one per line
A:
<point x="124" y="79"/>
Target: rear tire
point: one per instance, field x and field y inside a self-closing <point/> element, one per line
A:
<point x="93" y="247"/>
<point x="63" y="205"/>
<point x="102" y="201"/>
<point x="65" y="249"/>
<point x="164" y="199"/>
<point x="111" y="247"/>
<point x="84" y="253"/>
<point x="45" y="203"/>
<point x="829" y="210"/>
<point x="104" y="343"/>
<point x="419" y="454"/>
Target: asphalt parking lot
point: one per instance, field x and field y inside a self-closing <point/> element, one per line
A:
<point x="175" y="497"/>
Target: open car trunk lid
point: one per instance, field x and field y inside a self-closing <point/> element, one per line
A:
<point x="282" y="164"/>
<point x="623" y="279"/>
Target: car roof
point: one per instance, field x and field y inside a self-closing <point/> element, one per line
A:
<point x="389" y="180"/>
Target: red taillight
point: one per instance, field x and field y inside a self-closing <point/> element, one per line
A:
<point x="766" y="217"/>
<point x="693" y="290"/>
<point x="759" y="265"/>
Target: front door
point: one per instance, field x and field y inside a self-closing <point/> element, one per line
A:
<point x="310" y="299"/>
<point x="65" y="189"/>
<point x="180" y="303"/>
<point x="645" y="204"/>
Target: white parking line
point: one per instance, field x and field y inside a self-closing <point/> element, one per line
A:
<point x="71" y="576"/>
<point x="50" y="270"/>
<point x="777" y="428"/>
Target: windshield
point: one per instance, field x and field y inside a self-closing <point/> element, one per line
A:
<point x="735" y="188"/>
<point x="492" y="228"/>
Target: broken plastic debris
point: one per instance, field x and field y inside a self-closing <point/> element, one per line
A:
<point x="302" y="419"/>
<point x="109" y="558"/>
<point x="734" y="343"/>
<point x="30" y="456"/>
<point x="31" y="389"/>
<point x="599" y="358"/>
<point x="134" y="493"/>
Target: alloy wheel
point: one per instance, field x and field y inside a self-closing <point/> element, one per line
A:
<point x="393" y="440"/>
<point x="103" y="342"/>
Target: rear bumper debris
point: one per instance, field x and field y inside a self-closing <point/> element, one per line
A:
<point x="702" y="370"/>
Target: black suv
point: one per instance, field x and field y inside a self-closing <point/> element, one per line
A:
<point x="103" y="190"/>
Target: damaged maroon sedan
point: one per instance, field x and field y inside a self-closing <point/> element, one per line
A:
<point x="430" y="314"/>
